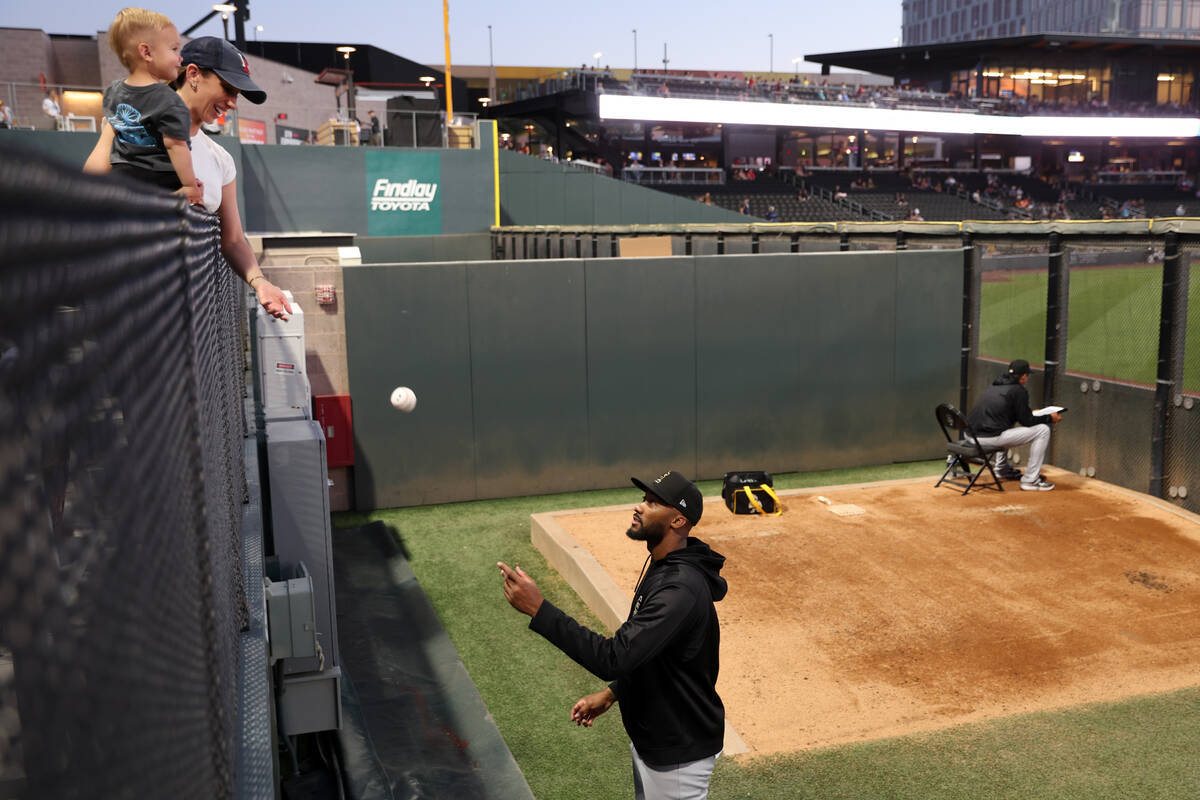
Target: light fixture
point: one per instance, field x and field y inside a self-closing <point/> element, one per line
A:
<point x="1165" y="78"/>
<point x="225" y="8"/>
<point x="858" y="118"/>
<point x="346" y="50"/>
<point x="1075" y="157"/>
<point x="485" y="101"/>
<point x="427" y="79"/>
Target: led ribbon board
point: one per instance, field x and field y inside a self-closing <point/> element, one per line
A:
<point x="860" y="118"/>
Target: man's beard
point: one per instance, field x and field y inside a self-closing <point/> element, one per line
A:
<point x="649" y="533"/>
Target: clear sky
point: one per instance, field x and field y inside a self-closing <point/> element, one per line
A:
<point x="700" y="34"/>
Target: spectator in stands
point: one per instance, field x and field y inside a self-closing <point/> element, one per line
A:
<point x="838" y="194"/>
<point x="901" y="200"/>
<point x="6" y="116"/>
<point x="376" y="139"/>
<point x="1180" y="210"/>
<point x="706" y="199"/>
<point x="771" y="216"/>
<point x="51" y="108"/>
<point x="744" y="208"/>
<point x="915" y="215"/>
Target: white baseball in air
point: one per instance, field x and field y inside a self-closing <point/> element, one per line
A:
<point x="404" y="399"/>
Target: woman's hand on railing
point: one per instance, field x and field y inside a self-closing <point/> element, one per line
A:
<point x="272" y="299"/>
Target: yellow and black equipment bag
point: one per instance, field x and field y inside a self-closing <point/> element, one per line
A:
<point x="751" y="493"/>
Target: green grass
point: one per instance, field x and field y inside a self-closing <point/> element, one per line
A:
<point x="1143" y="748"/>
<point x="1113" y="326"/>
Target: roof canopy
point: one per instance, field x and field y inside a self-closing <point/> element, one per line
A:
<point x="950" y="56"/>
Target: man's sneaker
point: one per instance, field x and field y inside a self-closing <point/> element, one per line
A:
<point x="1009" y="474"/>
<point x="1042" y="485"/>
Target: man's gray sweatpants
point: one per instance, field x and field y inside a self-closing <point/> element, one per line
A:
<point x="677" y="782"/>
<point x="1038" y="439"/>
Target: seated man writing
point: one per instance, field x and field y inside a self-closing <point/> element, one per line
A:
<point x="1001" y="406"/>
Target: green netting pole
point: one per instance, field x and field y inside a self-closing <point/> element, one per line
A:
<point x="1056" y="318"/>
<point x="967" y="319"/>
<point x="1166" y="362"/>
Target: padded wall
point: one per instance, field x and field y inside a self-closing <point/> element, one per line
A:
<point x="552" y="375"/>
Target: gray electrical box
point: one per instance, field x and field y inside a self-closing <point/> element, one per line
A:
<point x="291" y="617"/>
<point x="282" y="370"/>
<point x="300" y="525"/>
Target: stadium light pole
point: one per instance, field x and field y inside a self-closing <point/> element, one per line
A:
<point x="225" y="9"/>
<point x="346" y="50"/>
<point x="596" y="55"/>
<point x="796" y="63"/>
<point x="635" y="49"/>
<point x="491" y="67"/>
<point x="771" y="39"/>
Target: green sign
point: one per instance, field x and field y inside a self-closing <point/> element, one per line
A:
<point x="404" y="193"/>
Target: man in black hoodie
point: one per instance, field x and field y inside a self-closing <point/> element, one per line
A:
<point x="663" y="661"/>
<point x="1001" y="406"/>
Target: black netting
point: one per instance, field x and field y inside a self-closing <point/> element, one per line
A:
<point x="1011" y="300"/>
<point x="1115" y="299"/>
<point x="121" y="488"/>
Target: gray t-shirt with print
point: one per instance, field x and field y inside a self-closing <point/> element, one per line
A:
<point x="140" y="117"/>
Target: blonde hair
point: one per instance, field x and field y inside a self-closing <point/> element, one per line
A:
<point x="127" y="30"/>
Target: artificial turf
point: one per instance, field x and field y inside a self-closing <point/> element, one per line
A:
<point x="1139" y="748"/>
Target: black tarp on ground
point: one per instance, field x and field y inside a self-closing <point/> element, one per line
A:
<point x="418" y="718"/>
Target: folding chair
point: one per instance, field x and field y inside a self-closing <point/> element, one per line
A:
<point x="965" y="450"/>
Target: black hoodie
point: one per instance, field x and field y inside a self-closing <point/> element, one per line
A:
<point x="1002" y="405"/>
<point x="663" y="661"/>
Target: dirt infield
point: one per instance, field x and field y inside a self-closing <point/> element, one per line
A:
<point x="928" y="609"/>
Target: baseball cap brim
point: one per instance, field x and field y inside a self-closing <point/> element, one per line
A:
<point x="218" y="55"/>
<point x="241" y="81"/>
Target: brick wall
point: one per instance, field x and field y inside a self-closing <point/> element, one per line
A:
<point x="324" y="335"/>
<point x="26" y="56"/>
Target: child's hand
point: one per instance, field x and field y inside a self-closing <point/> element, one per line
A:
<point x="195" y="194"/>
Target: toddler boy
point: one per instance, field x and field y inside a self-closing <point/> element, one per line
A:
<point x="147" y="134"/>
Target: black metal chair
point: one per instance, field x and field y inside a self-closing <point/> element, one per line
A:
<point x="964" y="450"/>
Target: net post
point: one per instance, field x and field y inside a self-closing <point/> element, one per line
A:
<point x="1056" y="317"/>
<point x="1165" y="379"/>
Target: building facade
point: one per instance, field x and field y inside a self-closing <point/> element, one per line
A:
<point x="936" y="21"/>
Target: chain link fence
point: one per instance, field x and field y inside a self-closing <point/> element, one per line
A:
<point x="121" y="492"/>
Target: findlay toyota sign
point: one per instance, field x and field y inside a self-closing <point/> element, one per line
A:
<point x="412" y="195"/>
<point x="403" y="194"/>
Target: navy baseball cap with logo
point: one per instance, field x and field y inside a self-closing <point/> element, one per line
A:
<point x="677" y="492"/>
<point x="209" y="52"/>
<point x="1019" y="367"/>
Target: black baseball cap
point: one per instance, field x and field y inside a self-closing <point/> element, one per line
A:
<point x="677" y="492"/>
<point x="221" y="57"/>
<point x="1019" y="367"/>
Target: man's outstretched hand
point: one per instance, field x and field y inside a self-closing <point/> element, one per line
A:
<point x="520" y="590"/>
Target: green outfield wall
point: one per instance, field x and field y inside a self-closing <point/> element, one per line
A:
<point x="554" y="375"/>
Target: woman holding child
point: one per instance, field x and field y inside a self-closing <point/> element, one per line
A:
<point x="214" y="74"/>
<point x="148" y="127"/>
